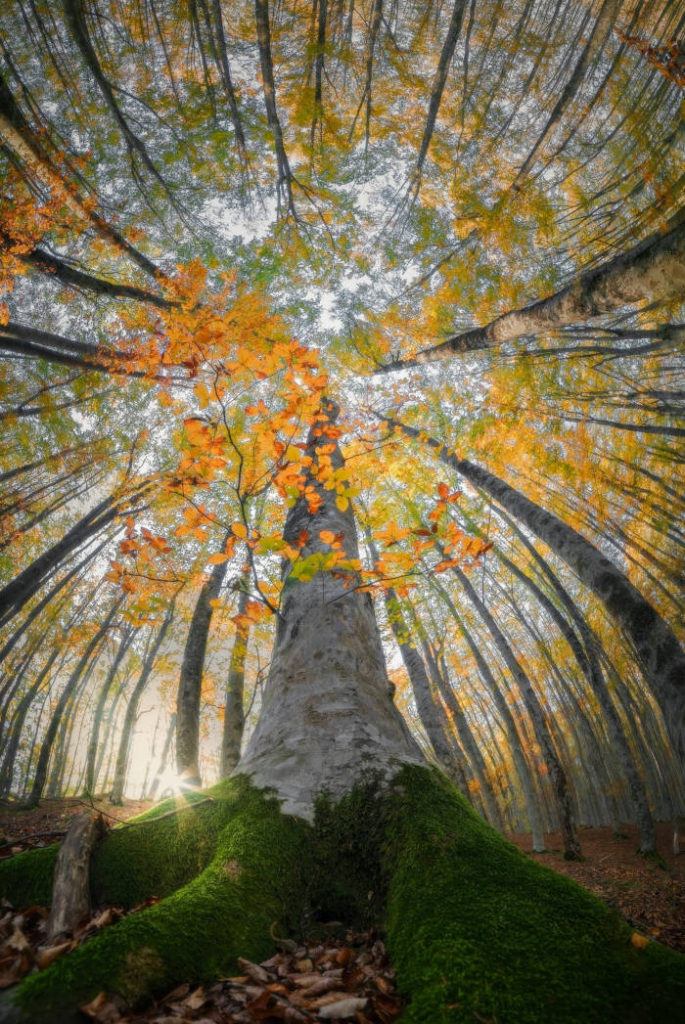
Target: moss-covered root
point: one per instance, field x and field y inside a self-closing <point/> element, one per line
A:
<point x="153" y="854"/>
<point x="478" y="931"/>
<point x="256" y="879"/>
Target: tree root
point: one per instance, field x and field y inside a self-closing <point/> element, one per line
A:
<point x="476" y="930"/>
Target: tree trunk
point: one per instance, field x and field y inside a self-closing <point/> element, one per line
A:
<point x="661" y="656"/>
<point x="118" y="786"/>
<point x="556" y="771"/>
<point x="234" y="714"/>
<point x="327" y="720"/>
<point x="461" y="906"/>
<point x="190" y="683"/>
<point x="60" y="707"/>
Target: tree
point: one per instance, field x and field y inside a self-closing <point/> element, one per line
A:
<point x="234" y="238"/>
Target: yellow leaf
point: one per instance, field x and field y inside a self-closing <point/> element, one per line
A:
<point x="639" y="941"/>
<point x="342" y="502"/>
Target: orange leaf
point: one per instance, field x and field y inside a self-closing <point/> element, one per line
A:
<point x="239" y="530"/>
<point x="217" y="559"/>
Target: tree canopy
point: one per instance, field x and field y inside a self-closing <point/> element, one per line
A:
<point x="461" y="221"/>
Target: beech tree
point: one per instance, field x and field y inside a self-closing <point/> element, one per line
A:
<point x="342" y="356"/>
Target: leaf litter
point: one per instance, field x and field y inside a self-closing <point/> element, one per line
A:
<point x="346" y="979"/>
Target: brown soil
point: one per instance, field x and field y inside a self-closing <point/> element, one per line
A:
<point x="648" y="892"/>
<point x="51" y="819"/>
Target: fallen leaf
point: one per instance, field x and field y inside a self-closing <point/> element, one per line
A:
<point x="343" y="1008"/>
<point x="45" y="957"/>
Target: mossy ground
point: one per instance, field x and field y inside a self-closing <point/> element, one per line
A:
<point x="479" y="931"/>
<point x="476" y="930"/>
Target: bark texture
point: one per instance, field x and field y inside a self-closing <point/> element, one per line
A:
<point x="328" y="718"/>
<point x="653" y="271"/>
<point x="71" y="887"/>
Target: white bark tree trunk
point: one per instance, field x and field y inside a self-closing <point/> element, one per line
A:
<point x="328" y="719"/>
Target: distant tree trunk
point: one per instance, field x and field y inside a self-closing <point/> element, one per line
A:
<point x="660" y="654"/>
<point x="421" y="688"/>
<point x="523" y="769"/>
<point x="124" y="644"/>
<point x="164" y="759"/>
<point x="588" y="662"/>
<point x="190" y="683"/>
<point x="554" y="767"/>
<point x="46" y="748"/>
<point x="234" y="714"/>
<point x="473" y="754"/>
<point x="119" y="783"/>
<point x="16" y="593"/>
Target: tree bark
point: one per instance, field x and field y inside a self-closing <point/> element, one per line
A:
<point x="328" y="720"/>
<point x="190" y="683"/>
<point x="56" y="717"/>
<point x="119" y="784"/>
<point x="234" y="714"/>
<point x="71" y="887"/>
<point x="660" y="654"/>
<point x="654" y="271"/>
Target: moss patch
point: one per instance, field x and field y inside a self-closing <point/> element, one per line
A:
<point x="152" y="855"/>
<point x="27" y="878"/>
<point x="346" y="882"/>
<point x="478" y="931"/>
<point x="255" y="880"/>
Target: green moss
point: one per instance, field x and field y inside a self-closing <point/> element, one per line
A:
<point x="256" y="880"/>
<point x="154" y="855"/>
<point x="27" y="878"/>
<point x="346" y="883"/>
<point x="478" y="931"/>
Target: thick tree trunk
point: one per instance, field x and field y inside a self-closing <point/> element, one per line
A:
<point x="328" y="720"/>
<point x="461" y="905"/>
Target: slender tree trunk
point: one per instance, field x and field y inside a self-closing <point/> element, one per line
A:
<point x="654" y="271"/>
<point x="119" y="784"/>
<point x="660" y="654"/>
<point x="556" y="771"/>
<point x="474" y="757"/>
<point x="164" y="759"/>
<point x="588" y="662"/>
<point x="523" y="769"/>
<point x="125" y="643"/>
<point x="190" y="683"/>
<point x="234" y="715"/>
<point x="46" y="748"/>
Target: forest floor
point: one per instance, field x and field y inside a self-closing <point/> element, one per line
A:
<point x="346" y="976"/>
<point x="649" y="893"/>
